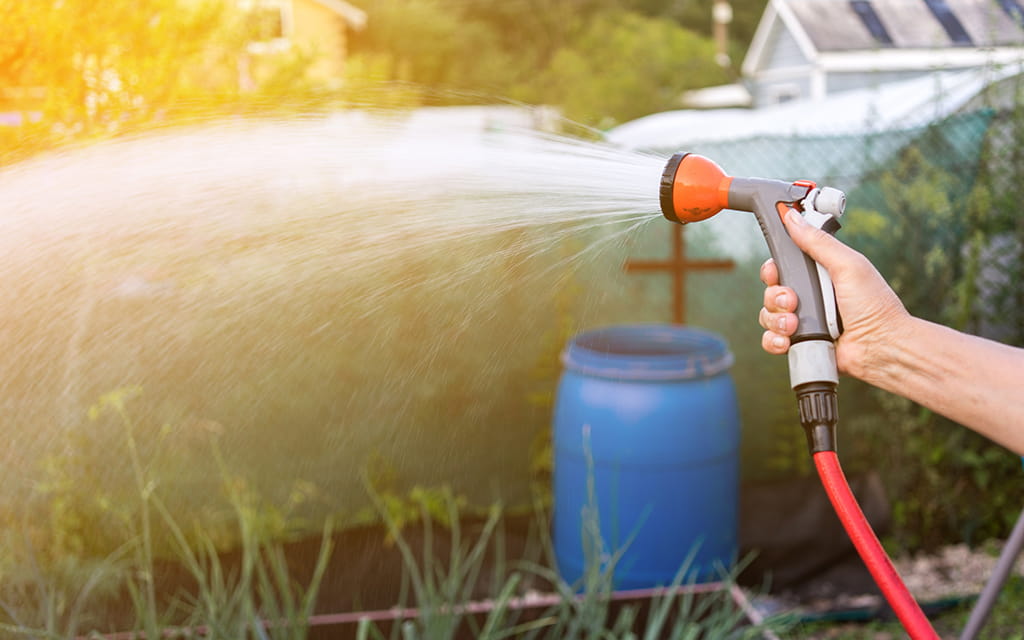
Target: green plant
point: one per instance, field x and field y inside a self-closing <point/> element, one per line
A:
<point x="595" y="77"/>
<point x="398" y="508"/>
<point x="441" y="591"/>
<point x="440" y="588"/>
<point x="259" y="597"/>
<point x="64" y="591"/>
<point x="56" y="600"/>
<point x="78" y="72"/>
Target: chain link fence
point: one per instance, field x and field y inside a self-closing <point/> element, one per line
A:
<point x="936" y="205"/>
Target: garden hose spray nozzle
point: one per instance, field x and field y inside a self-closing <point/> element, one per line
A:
<point x="694" y="188"/>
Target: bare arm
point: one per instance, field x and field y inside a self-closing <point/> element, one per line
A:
<point x="976" y="382"/>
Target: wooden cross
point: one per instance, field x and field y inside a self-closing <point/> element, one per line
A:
<point x="677" y="265"/>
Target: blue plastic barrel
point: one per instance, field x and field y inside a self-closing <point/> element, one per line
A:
<point x="646" y="429"/>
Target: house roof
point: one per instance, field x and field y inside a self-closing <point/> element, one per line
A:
<point x="354" y="16"/>
<point x="833" y="26"/>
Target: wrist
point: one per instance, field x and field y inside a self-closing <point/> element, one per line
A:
<point x="884" y="356"/>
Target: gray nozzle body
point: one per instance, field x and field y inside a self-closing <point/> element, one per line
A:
<point x="796" y="269"/>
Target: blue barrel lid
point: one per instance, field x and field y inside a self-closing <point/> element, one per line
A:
<point x="648" y="352"/>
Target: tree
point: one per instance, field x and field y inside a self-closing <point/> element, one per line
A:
<point x="601" y="64"/>
<point x="439" y="50"/>
<point x="86" y="69"/>
<point x="696" y="16"/>
<point x="623" y="66"/>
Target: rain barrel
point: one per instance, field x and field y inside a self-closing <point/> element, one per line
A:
<point x="646" y="440"/>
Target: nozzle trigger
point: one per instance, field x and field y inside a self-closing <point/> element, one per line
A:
<point x="828" y="299"/>
<point x="822" y="209"/>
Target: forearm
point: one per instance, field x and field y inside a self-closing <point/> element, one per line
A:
<point x="970" y="380"/>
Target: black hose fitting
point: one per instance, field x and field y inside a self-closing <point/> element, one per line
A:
<point x="818" y="404"/>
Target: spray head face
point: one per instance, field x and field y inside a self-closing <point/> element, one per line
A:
<point x="693" y="188"/>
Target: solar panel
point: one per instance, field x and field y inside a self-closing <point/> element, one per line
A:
<point x="1014" y="10"/>
<point x="874" y="25"/>
<point x="949" y="21"/>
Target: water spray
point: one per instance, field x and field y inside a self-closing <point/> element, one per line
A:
<point x="694" y="188"/>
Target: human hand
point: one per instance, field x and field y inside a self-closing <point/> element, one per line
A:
<point x="872" y="314"/>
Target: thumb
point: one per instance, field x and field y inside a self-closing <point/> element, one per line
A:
<point x="824" y="248"/>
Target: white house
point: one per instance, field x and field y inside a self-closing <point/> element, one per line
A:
<point x="808" y="49"/>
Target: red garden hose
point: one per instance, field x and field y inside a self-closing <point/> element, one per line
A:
<point x="870" y="549"/>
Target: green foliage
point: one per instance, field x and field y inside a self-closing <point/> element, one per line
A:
<point x="417" y="38"/>
<point x="919" y="245"/>
<point x="42" y="598"/>
<point x="622" y="66"/>
<point x="943" y="221"/>
<point x="258" y="518"/>
<point x="63" y="589"/>
<point x="599" y="63"/>
<point x="258" y="598"/>
<point x="89" y="518"/>
<point x="696" y="15"/>
<point x="945" y="482"/>
<point x="442" y="589"/>
<point x="398" y="508"/>
<point x="81" y="71"/>
<point x="421" y="504"/>
<point x="997" y="230"/>
<point x="416" y="52"/>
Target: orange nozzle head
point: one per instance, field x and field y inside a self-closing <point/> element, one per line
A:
<point x="693" y="188"/>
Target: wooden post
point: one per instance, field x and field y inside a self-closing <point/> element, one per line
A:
<point x="678" y="266"/>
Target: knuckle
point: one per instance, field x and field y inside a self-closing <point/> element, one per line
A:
<point x="791" y="323"/>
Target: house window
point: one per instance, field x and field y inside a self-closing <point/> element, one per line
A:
<point x="782" y="93"/>
<point x="267" y="23"/>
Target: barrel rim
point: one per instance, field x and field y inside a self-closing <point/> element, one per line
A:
<point x="690" y="353"/>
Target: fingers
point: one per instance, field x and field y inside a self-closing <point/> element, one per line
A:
<point x="776" y="316"/>
<point x="774" y="344"/>
<point x="769" y="272"/>
<point x="782" y="323"/>
<point x="779" y="299"/>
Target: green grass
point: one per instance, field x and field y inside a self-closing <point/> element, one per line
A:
<point x="585" y="610"/>
<point x="58" y="592"/>
<point x="260" y="599"/>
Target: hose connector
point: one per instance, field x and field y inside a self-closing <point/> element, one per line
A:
<point x="818" y="404"/>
